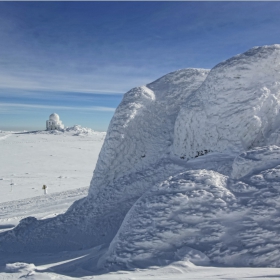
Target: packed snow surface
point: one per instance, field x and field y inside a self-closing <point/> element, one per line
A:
<point x="187" y="179"/>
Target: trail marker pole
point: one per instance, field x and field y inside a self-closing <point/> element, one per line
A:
<point x="12" y="183"/>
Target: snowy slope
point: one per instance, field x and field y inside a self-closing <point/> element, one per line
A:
<point x="155" y="200"/>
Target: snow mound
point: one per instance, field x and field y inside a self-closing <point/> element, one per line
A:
<point x="236" y="108"/>
<point x="15" y="267"/>
<point x="78" y="130"/>
<point x="179" y="219"/>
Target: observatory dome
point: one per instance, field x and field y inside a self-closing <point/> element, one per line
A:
<point x="54" y="122"/>
<point x="54" y="117"/>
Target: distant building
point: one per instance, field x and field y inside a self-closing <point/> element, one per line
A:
<point x="54" y="122"/>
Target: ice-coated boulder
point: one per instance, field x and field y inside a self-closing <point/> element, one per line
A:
<point x="236" y="108"/>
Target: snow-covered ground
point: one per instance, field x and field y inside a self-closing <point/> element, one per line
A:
<point x="64" y="161"/>
<point x="179" y="270"/>
<point x="31" y="159"/>
<point x="186" y="184"/>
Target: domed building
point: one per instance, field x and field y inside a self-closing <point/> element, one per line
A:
<point x="54" y="122"/>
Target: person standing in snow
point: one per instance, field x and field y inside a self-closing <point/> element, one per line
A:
<point x="45" y="189"/>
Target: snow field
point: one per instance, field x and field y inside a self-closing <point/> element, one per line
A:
<point x="62" y="161"/>
<point x="30" y="160"/>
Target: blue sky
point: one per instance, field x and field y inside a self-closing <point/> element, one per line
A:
<point x="78" y="58"/>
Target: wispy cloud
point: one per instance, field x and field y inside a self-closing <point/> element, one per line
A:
<point x="5" y="106"/>
<point x="27" y="80"/>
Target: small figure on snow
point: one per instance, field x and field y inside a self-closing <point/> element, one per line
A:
<point x="45" y="189"/>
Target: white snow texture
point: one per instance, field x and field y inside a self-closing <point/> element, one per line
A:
<point x="189" y="171"/>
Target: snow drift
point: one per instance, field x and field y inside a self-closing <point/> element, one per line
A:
<point x="187" y="172"/>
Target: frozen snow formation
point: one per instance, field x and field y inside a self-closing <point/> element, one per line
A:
<point x="236" y="108"/>
<point x="189" y="171"/>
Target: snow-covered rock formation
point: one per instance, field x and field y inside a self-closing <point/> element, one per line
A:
<point x="187" y="172"/>
<point x="142" y="129"/>
<point x="236" y="108"/>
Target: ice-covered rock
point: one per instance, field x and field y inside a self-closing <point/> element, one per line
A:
<point x="236" y="108"/>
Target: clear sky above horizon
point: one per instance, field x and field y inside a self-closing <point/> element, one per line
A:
<point x="78" y="58"/>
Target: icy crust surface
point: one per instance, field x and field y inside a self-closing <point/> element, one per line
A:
<point x="236" y="108"/>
